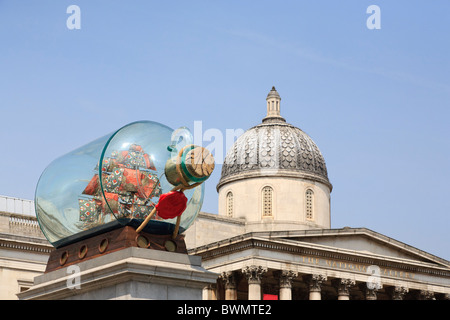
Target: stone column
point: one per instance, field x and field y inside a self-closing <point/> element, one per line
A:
<point x="286" y="277"/>
<point x="209" y="292"/>
<point x="229" y="280"/>
<point x="397" y="292"/>
<point x="254" y="275"/>
<point x="370" y="290"/>
<point x="371" y="294"/>
<point x="343" y="288"/>
<point x="314" y="282"/>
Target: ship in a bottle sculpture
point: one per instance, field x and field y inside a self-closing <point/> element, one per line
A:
<point x="139" y="186"/>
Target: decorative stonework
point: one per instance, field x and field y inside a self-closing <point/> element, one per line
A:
<point x="315" y="281"/>
<point x="286" y="277"/>
<point x="274" y="146"/>
<point x="398" y="292"/>
<point x="38" y="247"/>
<point x="309" y="195"/>
<point x="371" y="294"/>
<point x="254" y="274"/>
<point x="24" y="225"/>
<point x="240" y="243"/>
<point x="267" y="201"/>
<point x="426" y="295"/>
<point x="229" y="279"/>
<point x="230" y="204"/>
<point x="369" y="290"/>
<point x="343" y="286"/>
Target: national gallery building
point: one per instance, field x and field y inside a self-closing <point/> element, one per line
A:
<point x="272" y="237"/>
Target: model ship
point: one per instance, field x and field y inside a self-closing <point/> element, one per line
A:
<point x="130" y="186"/>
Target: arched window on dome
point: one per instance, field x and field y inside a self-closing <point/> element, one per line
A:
<point x="230" y="204"/>
<point x="309" y="201"/>
<point x="267" y="202"/>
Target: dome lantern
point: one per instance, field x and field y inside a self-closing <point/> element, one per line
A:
<point x="273" y="107"/>
<point x="275" y="177"/>
<point x="274" y="147"/>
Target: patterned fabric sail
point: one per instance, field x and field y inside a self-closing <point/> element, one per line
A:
<point x="131" y="187"/>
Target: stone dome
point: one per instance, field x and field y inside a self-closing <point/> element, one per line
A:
<point x="274" y="148"/>
<point x="273" y="93"/>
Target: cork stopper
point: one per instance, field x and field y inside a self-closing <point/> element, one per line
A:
<point x="199" y="162"/>
<point x="193" y="164"/>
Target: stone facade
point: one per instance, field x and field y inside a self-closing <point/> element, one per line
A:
<point x="288" y="207"/>
<point x="294" y="265"/>
<point x="23" y="252"/>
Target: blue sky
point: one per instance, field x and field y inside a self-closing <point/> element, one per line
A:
<point x="376" y="102"/>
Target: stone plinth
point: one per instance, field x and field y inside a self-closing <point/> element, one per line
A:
<point x="131" y="273"/>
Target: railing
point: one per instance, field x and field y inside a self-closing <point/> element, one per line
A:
<point x="24" y="225"/>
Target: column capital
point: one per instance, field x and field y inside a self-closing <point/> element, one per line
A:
<point x="314" y="281"/>
<point x="371" y="294"/>
<point x="285" y="277"/>
<point x="397" y="292"/>
<point x="426" y="295"/>
<point x="254" y="273"/>
<point x="370" y="290"/>
<point x="229" y="279"/>
<point x="343" y="285"/>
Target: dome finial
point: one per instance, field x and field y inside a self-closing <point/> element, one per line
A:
<point x="273" y="105"/>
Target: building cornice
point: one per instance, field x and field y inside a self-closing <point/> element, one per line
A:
<point x="357" y="231"/>
<point x="24" y="243"/>
<point x="256" y="241"/>
<point x="273" y="173"/>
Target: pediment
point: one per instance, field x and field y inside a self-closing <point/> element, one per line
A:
<point x="362" y="241"/>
